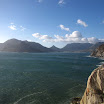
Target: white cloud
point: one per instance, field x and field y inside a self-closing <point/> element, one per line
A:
<point x="93" y="40"/>
<point x="84" y="40"/>
<point x="75" y="34"/>
<point x="42" y="37"/>
<point x="64" y="28"/>
<point x="103" y="21"/>
<point x="61" y="2"/>
<point x="36" y="35"/>
<point x="59" y="37"/>
<point x="45" y="37"/>
<point x="22" y="28"/>
<point x="81" y="23"/>
<point x="12" y="27"/>
<point x="74" y="37"/>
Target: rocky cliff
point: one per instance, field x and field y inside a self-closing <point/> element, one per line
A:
<point x="99" y="52"/>
<point x="95" y="46"/>
<point x="94" y="93"/>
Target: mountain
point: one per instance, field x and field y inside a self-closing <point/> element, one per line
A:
<point x="54" y="48"/>
<point x="14" y="45"/>
<point x="84" y="47"/>
<point x="94" y="93"/>
<point x="98" y="52"/>
<point x="96" y="45"/>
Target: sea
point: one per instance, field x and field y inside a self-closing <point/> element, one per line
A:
<point x="44" y="78"/>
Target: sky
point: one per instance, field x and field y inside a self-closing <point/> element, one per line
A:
<point x="52" y="22"/>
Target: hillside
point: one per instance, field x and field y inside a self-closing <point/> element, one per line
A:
<point x="14" y="45"/>
<point x="96" y="45"/>
<point x="77" y="47"/>
<point x="99" y="52"/>
<point x="54" y="48"/>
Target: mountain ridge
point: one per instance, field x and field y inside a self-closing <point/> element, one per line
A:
<point x="54" y="48"/>
<point x="15" y="45"/>
<point x="77" y="47"/>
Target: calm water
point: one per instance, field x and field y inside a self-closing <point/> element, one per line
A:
<point x="43" y="78"/>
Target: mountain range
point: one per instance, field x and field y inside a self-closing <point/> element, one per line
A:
<point x="14" y="45"/>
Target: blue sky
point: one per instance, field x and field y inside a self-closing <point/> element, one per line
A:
<point x="52" y="22"/>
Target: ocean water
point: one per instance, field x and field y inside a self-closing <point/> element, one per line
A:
<point x="44" y="78"/>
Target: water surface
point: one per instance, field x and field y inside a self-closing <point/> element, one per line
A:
<point x="43" y="78"/>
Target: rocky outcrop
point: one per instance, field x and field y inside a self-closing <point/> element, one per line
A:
<point x="75" y="101"/>
<point x="94" y="93"/>
<point x="95" y="46"/>
<point x="99" y="52"/>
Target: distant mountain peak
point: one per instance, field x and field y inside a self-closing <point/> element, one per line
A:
<point x="12" y="40"/>
<point x="54" y="48"/>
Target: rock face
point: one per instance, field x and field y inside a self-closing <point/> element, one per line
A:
<point x="99" y="52"/>
<point x="94" y="93"/>
<point x="95" y="46"/>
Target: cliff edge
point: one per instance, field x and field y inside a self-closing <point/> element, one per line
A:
<point x="94" y="93"/>
<point x="99" y="52"/>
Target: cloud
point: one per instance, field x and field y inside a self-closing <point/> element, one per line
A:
<point x="103" y="21"/>
<point x="93" y="40"/>
<point x="58" y="38"/>
<point x="61" y="2"/>
<point x="36" y="35"/>
<point x="22" y="28"/>
<point x="81" y="23"/>
<point x="41" y="37"/>
<point x="74" y="37"/>
<point x="75" y="34"/>
<point x="12" y="26"/>
<point x="45" y="37"/>
<point x="64" y="28"/>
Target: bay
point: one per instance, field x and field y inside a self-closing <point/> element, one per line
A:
<point x="44" y="78"/>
